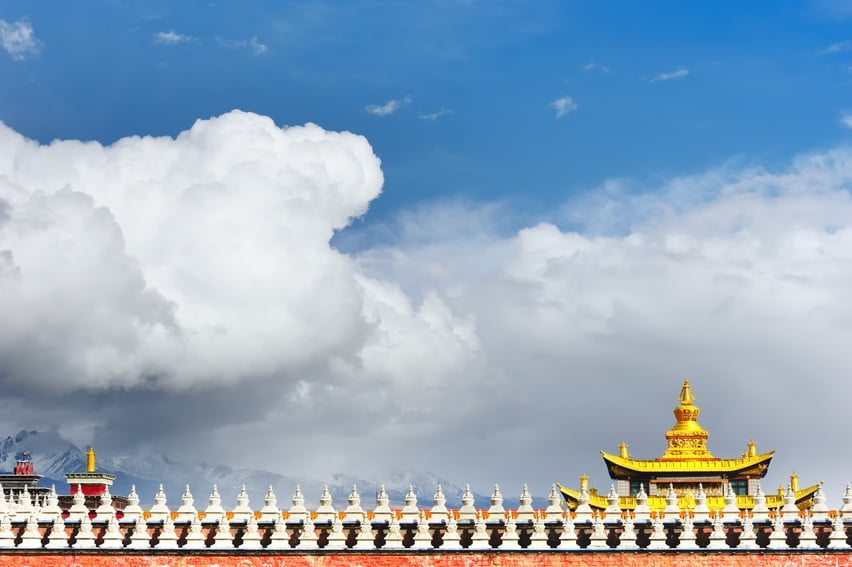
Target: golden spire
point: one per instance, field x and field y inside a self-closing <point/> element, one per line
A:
<point x="686" y="396"/>
<point x="90" y="460"/>
<point x="687" y="439"/>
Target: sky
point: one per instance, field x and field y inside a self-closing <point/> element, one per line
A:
<point x="481" y="239"/>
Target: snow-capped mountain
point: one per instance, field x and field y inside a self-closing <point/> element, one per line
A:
<point x="53" y="456"/>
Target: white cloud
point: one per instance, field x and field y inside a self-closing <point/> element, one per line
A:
<point x="563" y="106"/>
<point x="198" y="271"/>
<point x="171" y="38"/>
<point x="252" y="45"/>
<point x="679" y="74"/>
<point x="389" y="107"/>
<point x="435" y="115"/>
<point x="595" y="66"/>
<point x="846" y="119"/>
<point x="838" y="47"/>
<point x="18" y="39"/>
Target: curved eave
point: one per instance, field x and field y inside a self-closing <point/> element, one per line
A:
<point x="804" y="499"/>
<point x="619" y="467"/>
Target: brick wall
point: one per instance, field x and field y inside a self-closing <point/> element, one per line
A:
<point x="428" y="559"/>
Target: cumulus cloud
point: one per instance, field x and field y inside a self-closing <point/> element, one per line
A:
<point x="563" y="106"/>
<point x="171" y="38"/>
<point x="389" y="107"/>
<point x="18" y="39"/>
<point x="178" y="231"/>
<point x="679" y="74"/>
<point x="846" y="119"/>
<point x="189" y="284"/>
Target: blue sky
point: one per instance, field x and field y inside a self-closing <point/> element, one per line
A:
<point x="757" y="82"/>
<point x="540" y="204"/>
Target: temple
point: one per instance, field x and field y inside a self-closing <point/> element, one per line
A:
<point x="687" y="467"/>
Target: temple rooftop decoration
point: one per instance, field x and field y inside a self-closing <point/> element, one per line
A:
<point x="687" y="468"/>
<point x="91" y="482"/>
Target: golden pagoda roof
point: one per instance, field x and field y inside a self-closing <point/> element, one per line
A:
<point x="619" y="466"/>
<point x="804" y="499"/>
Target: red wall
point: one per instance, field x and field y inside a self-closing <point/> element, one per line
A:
<point x="429" y="559"/>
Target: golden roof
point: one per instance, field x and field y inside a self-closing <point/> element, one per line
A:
<point x="804" y="499"/>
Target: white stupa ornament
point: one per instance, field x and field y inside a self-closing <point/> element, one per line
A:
<point x="599" y="536"/>
<point x="167" y="538"/>
<point x="748" y="539"/>
<point x="846" y="509"/>
<point x="422" y="537"/>
<point x="336" y="539"/>
<point x="672" y="510"/>
<point x="223" y="538"/>
<point x="480" y="537"/>
<point x="105" y="511"/>
<point x="51" y="508"/>
<point x="760" y="511"/>
<point x="159" y="511"/>
<point x="718" y="537"/>
<point x="195" y="538"/>
<point x="439" y="512"/>
<point x="382" y="513"/>
<point x="354" y="511"/>
<point x="538" y="539"/>
<point x="410" y="512"/>
<point x="214" y="511"/>
<point x="308" y="538"/>
<point x="837" y="538"/>
<point x="298" y="512"/>
<point x="366" y="539"/>
<point x="452" y="538"/>
<point x="511" y="537"/>
<point x="25" y="503"/>
<point x="78" y="507"/>
<point x="242" y="511"/>
<point x="7" y="537"/>
<point x="642" y="513"/>
<point x="628" y="534"/>
<point x="778" y="536"/>
<point x="701" y="512"/>
<point x="807" y="539"/>
<point x="687" y="534"/>
<point x="730" y="512"/>
<point x="186" y="512"/>
<point x="820" y="509"/>
<point x="790" y="507"/>
<point x="325" y="512"/>
<point x="31" y="538"/>
<point x="140" y="539"/>
<point x="553" y="513"/>
<point x="112" y="539"/>
<point x="658" y="534"/>
<point x="496" y="511"/>
<point x="85" y="538"/>
<point x="393" y="539"/>
<point x="58" y="538"/>
<point x="613" y="510"/>
<point x="279" y="539"/>
<point x="467" y="512"/>
<point x="270" y="511"/>
<point x="251" y="535"/>
<point x="525" y="512"/>
<point x="568" y="537"/>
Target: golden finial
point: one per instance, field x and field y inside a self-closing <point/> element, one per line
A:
<point x="584" y="483"/>
<point x="622" y="451"/>
<point x="686" y="397"/>
<point x="90" y="460"/>
<point x="794" y="482"/>
<point x="752" y="449"/>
